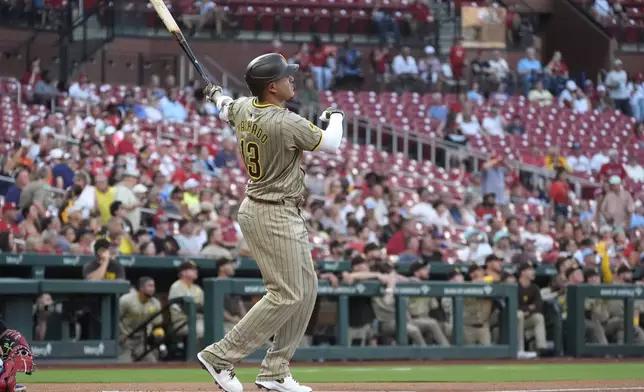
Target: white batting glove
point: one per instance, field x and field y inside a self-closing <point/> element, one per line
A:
<point x="326" y="114"/>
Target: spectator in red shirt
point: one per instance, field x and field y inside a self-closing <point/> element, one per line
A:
<point x="419" y="16"/>
<point x="487" y="209"/>
<point x="110" y="144"/>
<point x="126" y="146"/>
<point x="457" y="59"/>
<point x="613" y="168"/>
<point x="32" y="76"/>
<point x="380" y="59"/>
<point x="9" y="219"/>
<point x="559" y="191"/>
<point x="303" y="57"/>
<point x="184" y="173"/>
<point x="558" y="72"/>
<point x="397" y="243"/>
<point x="322" y="72"/>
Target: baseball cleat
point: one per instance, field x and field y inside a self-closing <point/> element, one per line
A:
<point x="287" y="384"/>
<point x="225" y="379"/>
<point x="20" y="388"/>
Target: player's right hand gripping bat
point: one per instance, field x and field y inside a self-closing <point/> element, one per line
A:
<point x="171" y="25"/>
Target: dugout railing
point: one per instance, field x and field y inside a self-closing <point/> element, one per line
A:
<point x="575" y="326"/>
<point x="216" y="290"/>
<point x="17" y="297"/>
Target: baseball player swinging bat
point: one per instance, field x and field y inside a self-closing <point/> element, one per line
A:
<point x="272" y="140"/>
<point x="171" y="25"/>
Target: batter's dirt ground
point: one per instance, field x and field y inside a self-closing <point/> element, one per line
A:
<point x="559" y="386"/>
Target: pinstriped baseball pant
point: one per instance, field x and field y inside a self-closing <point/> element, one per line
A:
<point x="278" y="240"/>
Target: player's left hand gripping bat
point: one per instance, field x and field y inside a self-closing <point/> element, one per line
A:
<point x="171" y="25"/>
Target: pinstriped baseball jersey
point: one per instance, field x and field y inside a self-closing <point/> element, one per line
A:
<point x="271" y="140"/>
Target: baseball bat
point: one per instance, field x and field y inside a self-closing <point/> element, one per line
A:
<point x="171" y="25"/>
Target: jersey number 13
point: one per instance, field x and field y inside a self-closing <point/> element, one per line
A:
<point x="250" y="153"/>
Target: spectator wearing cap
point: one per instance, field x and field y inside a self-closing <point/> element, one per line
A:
<point x="104" y="266"/>
<point x="234" y="308"/>
<point x="430" y="68"/>
<point x="396" y="244"/>
<point x="567" y="96"/>
<point x="191" y="195"/>
<point x="578" y="162"/>
<point x="530" y="313"/>
<point x="227" y="157"/>
<point x="213" y="247"/>
<point x="125" y="194"/>
<point x="62" y="174"/>
<point x="9" y="219"/>
<point x="617" y="206"/>
<point x="528" y="252"/>
<point x="185" y="286"/>
<point x="477" y="312"/>
<point x="110" y="144"/>
<point x="104" y="196"/>
<point x="126" y="146"/>
<point x="477" y="248"/>
<point x="617" y="84"/>
<point x="419" y="307"/>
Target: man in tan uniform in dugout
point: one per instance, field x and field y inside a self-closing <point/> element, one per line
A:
<point x="418" y="308"/>
<point x="477" y="312"/>
<point x="614" y="327"/>
<point x="136" y="307"/>
<point x="271" y="140"/>
<point x="185" y="286"/>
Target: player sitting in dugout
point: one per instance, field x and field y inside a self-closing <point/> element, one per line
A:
<point x="138" y="341"/>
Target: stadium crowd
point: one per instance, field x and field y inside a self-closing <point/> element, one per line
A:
<point x="93" y="176"/>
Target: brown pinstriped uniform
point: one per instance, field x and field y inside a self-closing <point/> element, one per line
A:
<point x="272" y="140"/>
